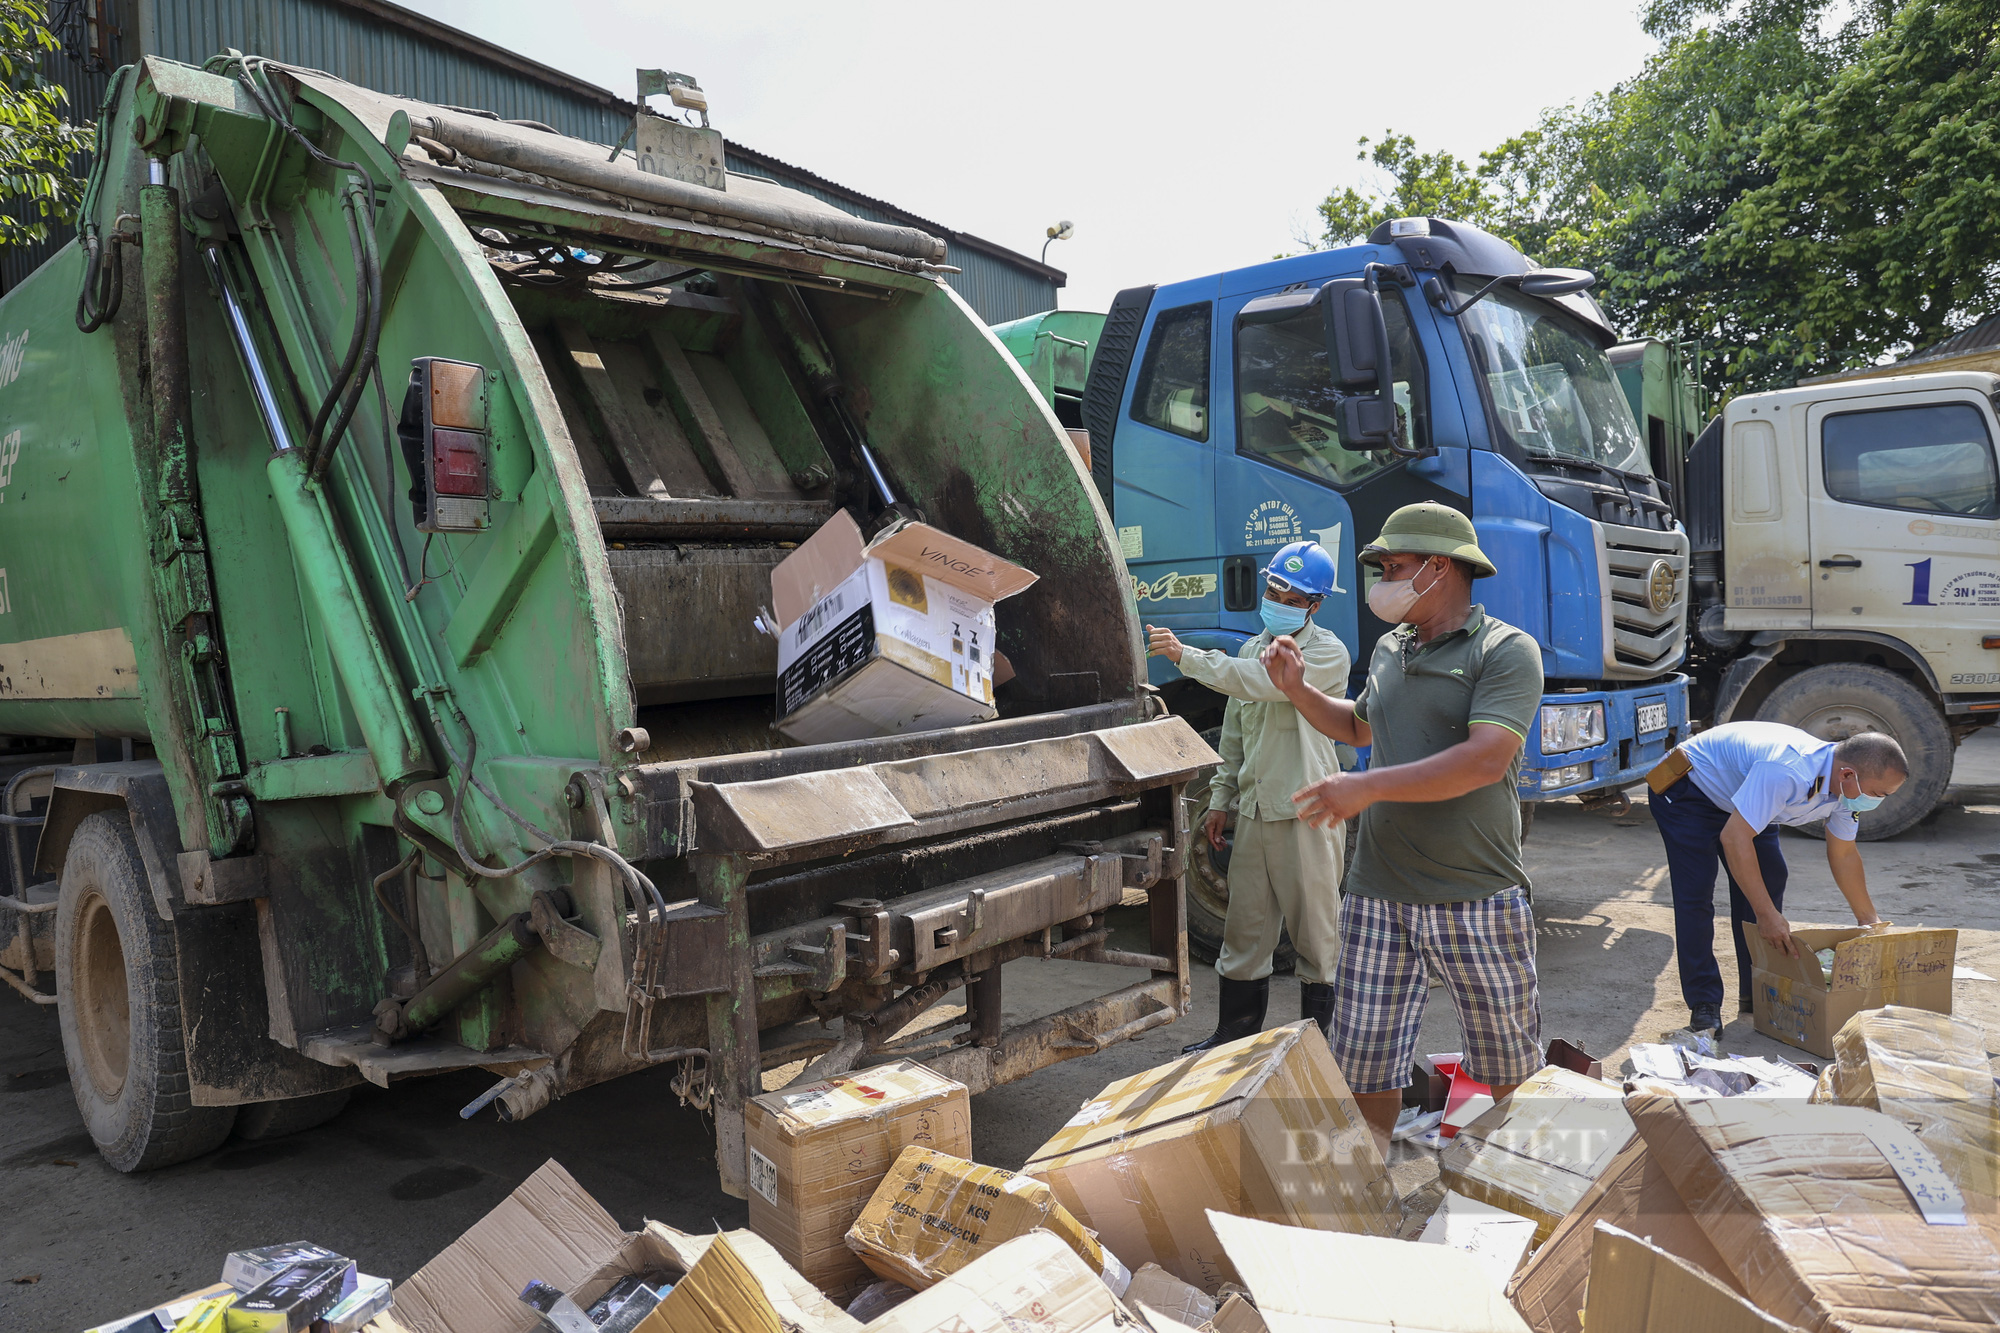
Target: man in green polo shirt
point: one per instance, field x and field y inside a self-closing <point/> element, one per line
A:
<point x="1437" y="884"/>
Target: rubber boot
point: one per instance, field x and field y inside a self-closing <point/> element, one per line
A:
<point x="1241" y="1013"/>
<point x="1316" y="1003"/>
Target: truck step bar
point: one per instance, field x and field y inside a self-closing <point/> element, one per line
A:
<point x="426" y="1055"/>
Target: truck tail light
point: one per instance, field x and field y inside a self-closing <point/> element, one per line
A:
<point x="446" y="445"/>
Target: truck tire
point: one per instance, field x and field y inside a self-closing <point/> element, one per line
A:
<point x="1835" y="701"/>
<point x="1208" y="882"/>
<point x="274" y="1120"/>
<point x="118" y="1004"/>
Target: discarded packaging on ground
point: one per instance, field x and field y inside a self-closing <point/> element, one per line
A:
<point x="1263" y="1127"/>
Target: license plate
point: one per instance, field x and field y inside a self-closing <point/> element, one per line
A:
<point x="1652" y="717"/>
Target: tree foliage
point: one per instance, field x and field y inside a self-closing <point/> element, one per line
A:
<point x="1424" y="185"/>
<point x="39" y="149"/>
<point x="1800" y="186"/>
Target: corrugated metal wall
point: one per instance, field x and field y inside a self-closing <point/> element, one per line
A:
<point x="379" y="46"/>
<point x="363" y="47"/>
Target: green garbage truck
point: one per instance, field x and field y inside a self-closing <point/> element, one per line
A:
<point x="391" y="494"/>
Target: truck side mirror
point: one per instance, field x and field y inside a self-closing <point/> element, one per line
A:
<point x="1357" y="352"/>
<point x="1357" y="337"/>
<point x="446" y="445"/>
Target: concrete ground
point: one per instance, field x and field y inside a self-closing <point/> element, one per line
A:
<point x="399" y="1175"/>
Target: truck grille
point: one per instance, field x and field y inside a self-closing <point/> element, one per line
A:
<point x="1645" y="576"/>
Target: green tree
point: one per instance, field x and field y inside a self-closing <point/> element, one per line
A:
<point x="1636" y="182"/>
<point x="1421" y="185"/>
<point x="1878" y="215"/>
<point x="39" y="150"/>
<point x="1801" y="186"/>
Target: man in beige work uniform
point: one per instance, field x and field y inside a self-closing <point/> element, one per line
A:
<point x="1282" y="871"/>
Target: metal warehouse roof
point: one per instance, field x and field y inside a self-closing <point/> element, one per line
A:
<point x="391" y="49"/>
<point x="1976" y="348"/>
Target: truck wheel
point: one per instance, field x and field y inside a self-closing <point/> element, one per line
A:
<point x="118" y="1003"/>
<point x="1835" y="701"/>
<point x="274" y="1120"/>
<point x="1208" y="882"/>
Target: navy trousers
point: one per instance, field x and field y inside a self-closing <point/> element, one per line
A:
<point x="1691" y="827"/>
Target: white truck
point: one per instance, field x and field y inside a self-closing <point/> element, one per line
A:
<point x="1846" y="564"/>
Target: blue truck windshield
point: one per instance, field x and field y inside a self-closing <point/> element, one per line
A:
<point x="1553" y="391"/>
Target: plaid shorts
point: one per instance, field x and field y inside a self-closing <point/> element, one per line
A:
<point x="1483" y="951"/>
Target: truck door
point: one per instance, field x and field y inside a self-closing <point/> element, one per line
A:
<point x="1165" y="470"/>
<point x="1905" y="525"/>
<point x="1283" y="474"/>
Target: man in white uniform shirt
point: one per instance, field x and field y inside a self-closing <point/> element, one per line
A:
<point x="1720" y="797"/>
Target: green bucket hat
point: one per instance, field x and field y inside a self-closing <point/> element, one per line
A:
<point x="1429" y="529"/>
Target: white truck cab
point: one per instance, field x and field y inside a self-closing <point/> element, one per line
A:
<point x="1847" y="565"/>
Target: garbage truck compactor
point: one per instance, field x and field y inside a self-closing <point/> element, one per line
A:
<point x="390" y="492"/>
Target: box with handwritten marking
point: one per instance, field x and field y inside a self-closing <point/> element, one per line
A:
<point x="1802" y="1004"/>
<point x="818" y="1152"/>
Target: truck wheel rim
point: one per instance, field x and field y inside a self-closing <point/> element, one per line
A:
<point x="103" y="1004"/>
<point x="1838" y="722"/>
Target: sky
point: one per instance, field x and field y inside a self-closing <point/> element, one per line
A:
<point x="1180" y="139"/>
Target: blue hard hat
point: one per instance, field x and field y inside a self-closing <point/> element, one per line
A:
<point x="1304" y="567"/>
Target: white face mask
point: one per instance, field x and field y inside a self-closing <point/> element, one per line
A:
<point x="1393" y="602"/>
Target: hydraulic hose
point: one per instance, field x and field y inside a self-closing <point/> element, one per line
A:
<point x="103" y="268"/>
<point x="350" y="380"/>
<point x="637" y="883"/>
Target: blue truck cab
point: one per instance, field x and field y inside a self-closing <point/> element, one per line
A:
<point x="1234" y="413"/>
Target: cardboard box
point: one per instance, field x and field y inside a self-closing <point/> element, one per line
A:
<point x="888" y="636"/>
<point x="1640" y="1288"/>
<point x="720" y="1294"/>
<point x="1831" y="1217"/>
<point x="550" y="1229"/>
<point x="1497" y="1238"/>
<point x="1538" y="1151"/>
<point x="1263" y="1127"/>
<point x="1153" y="1288"/>
<point x="1570" y="1055"/>
<point x="1326" y="1282"/>
<point x="1031" y="1284"/>
<point x="1633" y="1195"/>
<point x="818" y="1152"/>
<point x="934" y="1213"/>
<point x="1796" y="1004"/>
<point x="1239" y="1316"/>
<point x="1930" y="1072"/>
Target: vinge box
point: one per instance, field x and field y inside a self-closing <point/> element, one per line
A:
<point x="888" y="636"/>
<point x="1797" y="1003"/>
<point x="818" y="1152"/>
<point x="1263" y="1127"/>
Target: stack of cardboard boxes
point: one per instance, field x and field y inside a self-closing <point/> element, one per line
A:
<point x="1239" y="1191"/>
